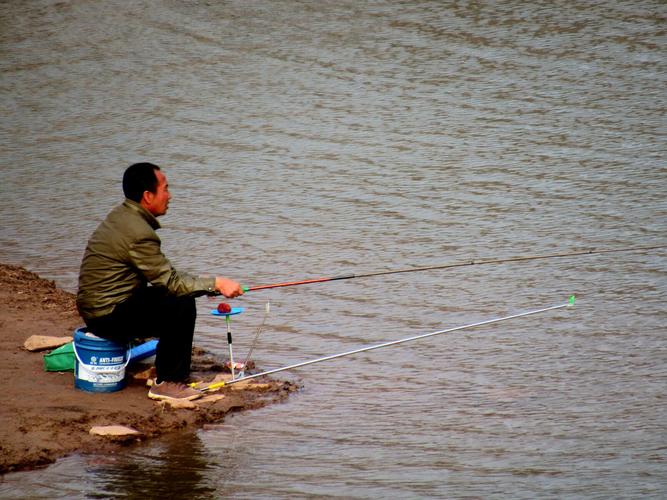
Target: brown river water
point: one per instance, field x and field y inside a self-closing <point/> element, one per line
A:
<point x="305" y="139"/>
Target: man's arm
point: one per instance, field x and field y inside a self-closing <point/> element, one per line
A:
<point x="147" y="257"/>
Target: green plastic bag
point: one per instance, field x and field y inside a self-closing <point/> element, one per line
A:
<point x="61" y="359"/>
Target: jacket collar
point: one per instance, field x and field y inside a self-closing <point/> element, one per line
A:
<point x="150" y="218"/>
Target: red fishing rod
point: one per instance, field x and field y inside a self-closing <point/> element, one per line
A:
<point x="478" y="262"/>
<point x="302" y="282"/>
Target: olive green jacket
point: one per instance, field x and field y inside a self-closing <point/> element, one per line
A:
<point x="123" y="254"/>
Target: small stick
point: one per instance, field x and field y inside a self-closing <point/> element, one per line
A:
<point x="229" y="342"/>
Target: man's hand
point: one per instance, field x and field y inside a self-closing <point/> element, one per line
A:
<point x="229" y="288"/>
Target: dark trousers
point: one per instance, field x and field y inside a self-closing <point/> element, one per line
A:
<point x="151" y="313"/>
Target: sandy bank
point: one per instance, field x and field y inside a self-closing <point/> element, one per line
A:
<point x="43" y="417"/>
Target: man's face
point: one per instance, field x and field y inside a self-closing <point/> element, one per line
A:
<point x="158" y="202"/>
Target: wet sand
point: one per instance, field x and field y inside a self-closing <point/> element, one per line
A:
<point x="44" y="417"/>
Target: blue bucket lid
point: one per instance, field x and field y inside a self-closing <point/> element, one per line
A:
<point x="81" y="334"/>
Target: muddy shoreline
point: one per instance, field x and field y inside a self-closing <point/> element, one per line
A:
<point x="44" y="417"/>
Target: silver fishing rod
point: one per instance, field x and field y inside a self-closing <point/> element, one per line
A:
<point x="569" y="303"/>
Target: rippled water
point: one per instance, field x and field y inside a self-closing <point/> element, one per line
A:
<point x="306" y="139"/>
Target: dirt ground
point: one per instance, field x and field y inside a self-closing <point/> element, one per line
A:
<point x="44" y="417"/>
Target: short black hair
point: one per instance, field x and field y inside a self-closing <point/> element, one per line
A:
<point x="138" y="178"/>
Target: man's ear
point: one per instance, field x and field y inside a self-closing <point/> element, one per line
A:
<point x="147" y="199"/>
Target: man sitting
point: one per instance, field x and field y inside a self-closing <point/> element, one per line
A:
<point x="128" y="289"/>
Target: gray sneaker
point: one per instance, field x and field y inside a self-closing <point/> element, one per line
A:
<point x="173" y="391"/>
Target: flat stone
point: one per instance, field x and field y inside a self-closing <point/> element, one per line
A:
<point x="148" y="375"/>
<point x="178" y="404"/>
<point x="249" y="385"/>
<point x="44" y="342"/>
<point x="210" y="399"/>
<point x="113" y="430"/>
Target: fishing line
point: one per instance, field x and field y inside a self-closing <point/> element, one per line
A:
<point x="267" y="309"/>
<point x="479" y="262"/>
<point x="218" y="385"/>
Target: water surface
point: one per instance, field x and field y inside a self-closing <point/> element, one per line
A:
<point x="306" y="139"/>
